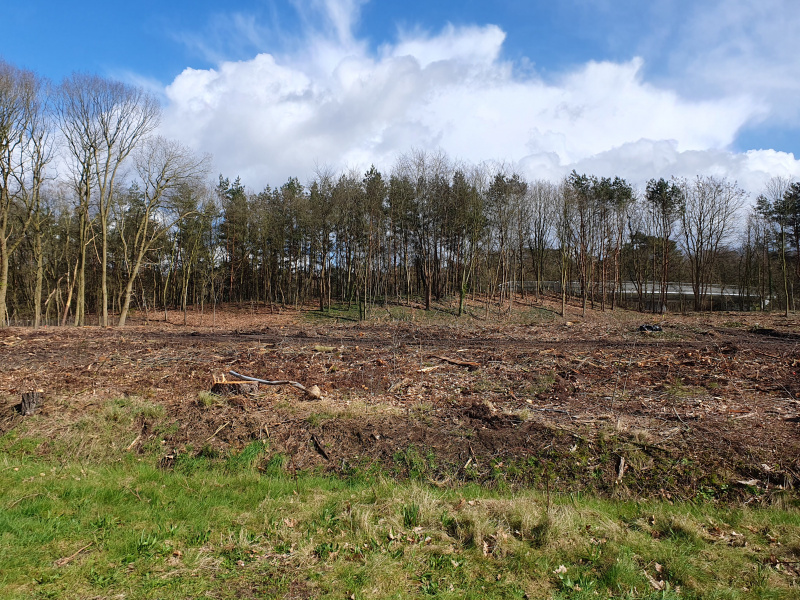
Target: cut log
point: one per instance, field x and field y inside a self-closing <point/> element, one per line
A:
<point x="30" y="403"/>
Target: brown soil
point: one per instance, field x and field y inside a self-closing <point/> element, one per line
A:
<point x="709" y="407"/>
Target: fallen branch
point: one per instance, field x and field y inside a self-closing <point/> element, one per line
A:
<point x="461" y="363"/>
<point x="312" y="392"/>
<point x="621" y="470"/>
<point x="679" y="417"/>
<point x="649" y="446"/>
<point x="17" y="501"/>
<point x="554" y="410"/>
<point x="136" y="493"/>
<point x="68" y="559"/>
<point x="319" y="447"/>
<point x="588" y="362"/>
<point x="220" y="428"/>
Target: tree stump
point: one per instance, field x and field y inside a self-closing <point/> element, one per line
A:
<point x="234" y="388"/>
<point x="30" y="403"/>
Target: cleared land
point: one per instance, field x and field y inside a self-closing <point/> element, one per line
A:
<point x="706" y="411"/>
<point x="711" y="400"/>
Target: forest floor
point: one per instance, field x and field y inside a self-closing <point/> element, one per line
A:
<point x="707" y="408"/>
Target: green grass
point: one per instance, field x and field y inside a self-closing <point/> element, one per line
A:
<point x="536" y="316"/>
<point x="208" y="399"/>
<point x="389" y="312"/>
<point x="82" y="516"/>
<point x="677" y="389"/>
<point x="230" y="527"/>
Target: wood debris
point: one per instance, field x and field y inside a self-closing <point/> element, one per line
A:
<point x="313" y="391"/>
<point x="457" y="361"/>
<point x="61" y="562"/>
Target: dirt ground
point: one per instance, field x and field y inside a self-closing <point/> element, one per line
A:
<point x="709" y="407"/>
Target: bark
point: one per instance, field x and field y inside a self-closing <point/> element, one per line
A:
<point x="37" y="295"/>
<point x="3" y="279"/>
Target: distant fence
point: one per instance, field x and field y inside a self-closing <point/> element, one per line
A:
<point x="679" y="295"/>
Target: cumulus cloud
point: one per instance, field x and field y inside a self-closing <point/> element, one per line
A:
<point x="334" y="102"/>
<point x="644" y="159"/>
<point x="735" y="46"/>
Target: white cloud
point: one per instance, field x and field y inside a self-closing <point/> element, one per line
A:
<point x="741" y="46"/>
<point x="335" y="103"/>
<point x="469" y="45"/>
<point x="645" y="159"/>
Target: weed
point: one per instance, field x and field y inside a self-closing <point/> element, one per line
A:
<point x="187" y="464"/>
<point x="536" y="316"/>
<point x="207" y="399"/>
<point x="422" y="412"/>
<point x="208" y="451"/>
<point x="543" y="383"/>
<point x="734" y="324"/>
<point x="316" y="419"/>
<point x="247" y="458"/>
<point x="149" y="410"/>
<point x="414" y="464"/>
<point x="410" y="515"/>
<point x="641" y="436"/>
<point x="326" y="550"/>
<point x="677" y="389"/>
<point x="275" y="465"/>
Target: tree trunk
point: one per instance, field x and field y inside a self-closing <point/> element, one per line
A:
<point x="104" y="270"/>
<point x="123" y="313"/>
<point x="80" y="280"/>
<point x="37" y="295"/>
<point x="3" y="280"/>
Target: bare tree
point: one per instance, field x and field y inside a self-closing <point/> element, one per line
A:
<point x="755" y="264"/>
<point x="583" y="199"/>
<point x="163" y="167"/>
<point x="506" y="192"/>
<point x="467" y="230"/>
<point x="323" y="223"/>
<point x="38" y="153"/>
<point x="543" y="200"/>
<point x="612" y="199"/>
<point x="707" y="218"/>
<point x="564" y="233"/>
<point x="102" y="121"/>
<point x="21" y="122"/>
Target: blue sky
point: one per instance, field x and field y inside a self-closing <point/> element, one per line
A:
<point x="273" y="89"/>
<point x="160" y="39"/>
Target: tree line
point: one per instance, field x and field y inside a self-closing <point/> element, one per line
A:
<point x="98" y="214"/>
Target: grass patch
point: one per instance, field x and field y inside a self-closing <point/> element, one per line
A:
<point x="315" y="419"/>
<point x="224" y="529"/>
<point x="145" y="532"/>
<point x="678" y="389"/>
<point x="100" y="434"/>
<point x="536" y="316"/>
<point x="439" y="313"/>
<point x="81" y="515"/>
<point x="207" y="399"/>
